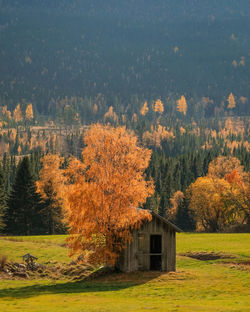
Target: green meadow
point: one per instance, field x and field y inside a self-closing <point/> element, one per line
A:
<point x="221" y="284"/>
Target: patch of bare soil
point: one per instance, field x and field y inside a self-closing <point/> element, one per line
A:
<point x="204" y="256"/>
<point x="14" y="270"/>
<point x="239" y="265"/>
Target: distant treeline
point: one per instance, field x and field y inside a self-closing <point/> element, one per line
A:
<point x="122" y="53"/>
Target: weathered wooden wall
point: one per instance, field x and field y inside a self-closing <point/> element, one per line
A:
<point x="137" y="255"/>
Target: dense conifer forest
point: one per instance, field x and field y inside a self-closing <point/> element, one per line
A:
<point x="119" y="53"/>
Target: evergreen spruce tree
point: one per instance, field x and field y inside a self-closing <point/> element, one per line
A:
<point x="2" y="199"/>
<point x="184" y="218"/>
<point x="6" y="165"/>
<point x="52" y="213"/>
<point x="164" y="204"/>
<point x="24" y="203"/>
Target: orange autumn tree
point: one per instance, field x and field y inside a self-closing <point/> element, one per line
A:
<point x="104" y="191"/>
<point x="111" y="115"/>
<point x="223" y="165"/>
<point x="238" y="195"/>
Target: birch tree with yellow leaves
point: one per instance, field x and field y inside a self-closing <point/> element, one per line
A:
<point x="104" y="191"/>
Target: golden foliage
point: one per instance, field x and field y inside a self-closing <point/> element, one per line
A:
<point x="242" y="61"/>
<point x="6" y="112"/>
<point x="222" y="197"/>
<point x="213" y="134"/>
<point x="134" y="118"/>
<point x="175" y="203"/>
<point x="144" y="109"/>
<point x="223" y="165"/>
<point x="13" y="134"/>
<point x="124" y="118"/>
<point x="158" y="106"/>
<point x="206" y="100"/>
<point x="103" y="192"/>
<point x="234" y="63"/>
<point x="111" y="114"/>
<point x="19" y="150"/>
<point x="182" y="130"/>
<point x="205" y="196"/>
<point x="232" y="126"/>
<point x="4" y="148"/>
<point x="29" y="112"/>
<point x="243" y="99"/>
<point x="51" y="175"/>
<point x="182" y="105"/>
<point x="231" y="101"/>
<point x="156" y="135"/>
<point x="238" y="197"/>
<point x="229" y="124"/>
<point x="17" y="114"/>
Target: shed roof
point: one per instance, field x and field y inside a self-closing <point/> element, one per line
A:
<point x="166" y="221"/>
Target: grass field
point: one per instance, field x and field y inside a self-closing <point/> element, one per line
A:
<point x="212" y="285"/>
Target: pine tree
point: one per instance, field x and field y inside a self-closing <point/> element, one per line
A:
<point x="164" y="203"/>
<point x="184" y="218"/>
<point x="24" y="203"/>
<point x="50" y="186"/>
<point x="2" y="198"/>
<point x="7" y="171"/>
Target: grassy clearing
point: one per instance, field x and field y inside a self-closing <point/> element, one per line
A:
<point x="46" y="248"/>
<point x="235" y="244"/>
<point x="196" y="286"/>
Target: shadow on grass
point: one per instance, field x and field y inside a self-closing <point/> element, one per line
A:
<point x="111" y="282"/>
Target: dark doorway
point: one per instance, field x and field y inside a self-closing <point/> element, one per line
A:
<point x="155" y="253"/>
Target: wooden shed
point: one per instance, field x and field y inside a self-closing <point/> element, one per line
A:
<point x="153" y="247"/>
